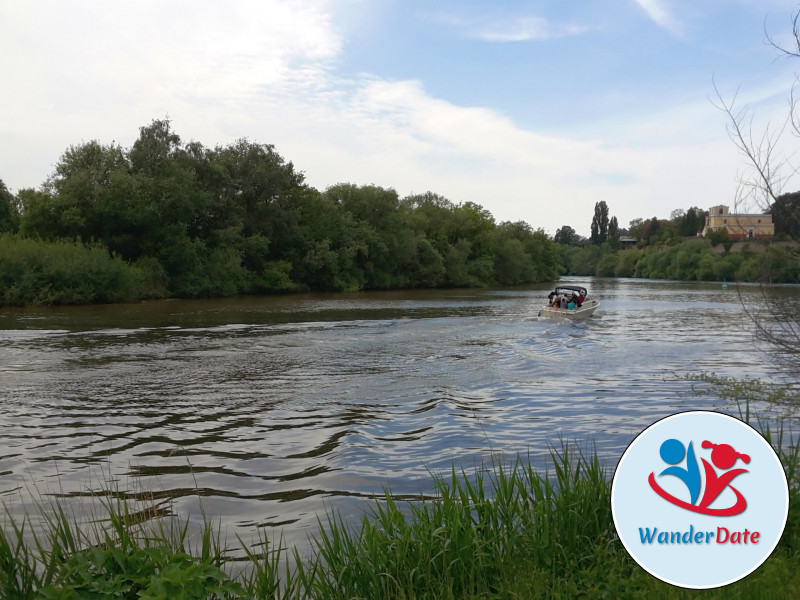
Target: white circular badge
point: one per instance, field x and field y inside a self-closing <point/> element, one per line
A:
<point x="699" y="499"/>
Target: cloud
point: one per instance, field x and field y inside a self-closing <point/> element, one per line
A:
<point x="510" y="29"/>
<point x="660" y="15"/>
<point x="396" y="134"/>
<point x="524" y="29"/>
<point x="268" y="71"/>
<point x="83" y="70"/>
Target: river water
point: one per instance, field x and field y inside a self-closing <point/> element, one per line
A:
<point x="267" y="412"/>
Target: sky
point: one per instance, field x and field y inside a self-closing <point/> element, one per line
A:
<point x="535" y="110"/>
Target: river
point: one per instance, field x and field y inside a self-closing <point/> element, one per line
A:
<point x="266" y="412"/>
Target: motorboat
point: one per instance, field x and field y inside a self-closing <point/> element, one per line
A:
<point x="569" y="302"/>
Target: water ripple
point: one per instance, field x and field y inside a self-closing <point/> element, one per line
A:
<point x="270" y="411"/>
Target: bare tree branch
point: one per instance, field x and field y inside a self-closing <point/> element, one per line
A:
<point x="776" y="317"/>
<point x="762" y="153"/>
<point x="786" y="52"/>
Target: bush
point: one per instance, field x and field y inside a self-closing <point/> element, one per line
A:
<point x="607" y="266"/>
<point x="626" y="266"/>
<point x="62" y="272"/>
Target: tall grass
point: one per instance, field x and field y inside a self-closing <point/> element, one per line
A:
<point x="502" y="531"/>
<point x="125" y="555"/>
<point x="473" y="536"/>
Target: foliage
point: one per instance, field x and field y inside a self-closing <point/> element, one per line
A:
<point x="719" y="236"/>
<point x="9" y="218"/>
<point x="688" y="260"/>
<point x="599" y="227"/>
<point x="62" y="272"/>
<point x="471" y="538"/>
<point x="613" y="233"/>
<point x="199" y="222"/>
<point x="691" y="222"/>
<point x="582" y="260"/>
<point x="786" y="215"/>
<point x="122" y="556"/>
<point x="567" y="235"/>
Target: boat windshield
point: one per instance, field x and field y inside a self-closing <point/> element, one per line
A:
<point x="564" y="289"/>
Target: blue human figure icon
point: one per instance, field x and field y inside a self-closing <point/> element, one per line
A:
<point x="672" y="453"/>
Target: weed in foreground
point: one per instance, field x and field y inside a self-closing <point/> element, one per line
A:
<point x="504" y="531"/>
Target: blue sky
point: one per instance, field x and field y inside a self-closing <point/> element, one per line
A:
<point x="535" y="110"/>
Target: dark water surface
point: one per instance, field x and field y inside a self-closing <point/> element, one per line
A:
<point x="271" y="410"/>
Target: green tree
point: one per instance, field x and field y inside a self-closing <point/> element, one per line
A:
<point x="192" y="221"/>
<point x="636" y="229"/>
<point x="652" y="230"/>
<point x="566" y="235"/>
<point x="73" y="202"/>
<point x="389" y="245"/>
<point x="9" y="215"/>
<point x="626" y="265"/>
<point x="153" y="150"/>
<point x="613" y="233"/>
<point x="599" y="228"/>
<point x="693" y="222"/>
<point x="786" y="215"/>
<point x="430" y="215"/>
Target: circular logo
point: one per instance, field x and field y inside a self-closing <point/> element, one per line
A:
<point x="699" y="499"/>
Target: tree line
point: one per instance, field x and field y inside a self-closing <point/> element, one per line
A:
<point x="672" y="249"/>
<point x="168" y="218"/>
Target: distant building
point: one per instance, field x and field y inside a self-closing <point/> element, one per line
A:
<point x="626" y="241"/>
<point x="738" y="225"/>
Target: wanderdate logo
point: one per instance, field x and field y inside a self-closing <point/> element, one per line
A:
<point x="699" y="499"/>
<point x="723" y="457"/>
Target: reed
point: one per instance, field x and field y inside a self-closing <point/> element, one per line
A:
<point x="125" y="554"/>
<point x="504" y="530"/>
<point x="474" y="537"/>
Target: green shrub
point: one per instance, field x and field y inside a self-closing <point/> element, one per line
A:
<point x="62" y="272"/>
<point x="607" y="265"/>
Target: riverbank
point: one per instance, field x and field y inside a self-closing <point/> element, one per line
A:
<point x="504" y="531"/>
<point x="39" y="273"/>
<point x="689" y="259"/>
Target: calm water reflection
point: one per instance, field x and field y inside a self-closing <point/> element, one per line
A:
<point x="273" y="410"/>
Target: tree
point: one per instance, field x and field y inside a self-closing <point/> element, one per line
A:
<point x="83" y="203"/>
<point x="9" y="215"/>
<point x="388" y="243"/>
<point x="687" y="222"/>
<point x="157" y="143"/>
<point x="786" y="215"/>
<point x="636" y="228"/>
<point x="692" y="222"/>
<point x="565" y="235"/>
<point x="770" y="168"/>
<point x="613" y="233"/>
<point x="599" y="230"/>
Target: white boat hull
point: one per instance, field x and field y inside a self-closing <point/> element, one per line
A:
<point x="574" y="314"/>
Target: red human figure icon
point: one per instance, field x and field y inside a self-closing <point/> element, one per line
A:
<point x="724" y="457"/>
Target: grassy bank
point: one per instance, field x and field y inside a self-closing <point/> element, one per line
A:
<point x="507" y="531"/>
